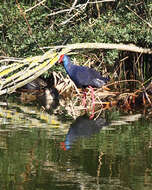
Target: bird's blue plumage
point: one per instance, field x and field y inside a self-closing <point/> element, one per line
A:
<point x="83" y="76"/>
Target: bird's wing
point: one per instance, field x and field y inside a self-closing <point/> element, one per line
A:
<point x="82" y="76"/>
<point x="98" y="83"/>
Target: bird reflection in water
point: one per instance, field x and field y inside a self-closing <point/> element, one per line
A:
<point x="82" y="127"/>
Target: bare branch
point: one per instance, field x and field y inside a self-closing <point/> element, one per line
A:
<point x="68" y="20"/>
<point x="101" y="1"/>
<point x="38" y="4"/>
<point x="74" y="4"/>
<point x="78" y="6"/>
<point x="59" y="12"/>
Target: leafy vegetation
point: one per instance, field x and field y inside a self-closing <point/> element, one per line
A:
<point x="28" y="26"/>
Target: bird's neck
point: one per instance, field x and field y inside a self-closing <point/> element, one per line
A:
<point x="68" y="65"/>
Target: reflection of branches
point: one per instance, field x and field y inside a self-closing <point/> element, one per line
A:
<point x="99" y="166"/>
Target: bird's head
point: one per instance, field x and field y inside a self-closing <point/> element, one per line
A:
<point x="65" y="59"/>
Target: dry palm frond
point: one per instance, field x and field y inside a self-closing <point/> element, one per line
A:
<point x="23" y="71"/>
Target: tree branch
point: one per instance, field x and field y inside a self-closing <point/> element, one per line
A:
<point x="38" y="4"/>
<point x="121" y="47"/>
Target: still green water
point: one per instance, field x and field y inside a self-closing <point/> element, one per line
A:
<point x="39" y="151"/>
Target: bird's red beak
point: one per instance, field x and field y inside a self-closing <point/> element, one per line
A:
<point x="61" y="59"/>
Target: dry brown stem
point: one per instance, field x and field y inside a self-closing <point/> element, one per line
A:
<point x="24" y="16"/>
<point x="139" y="16"/>
<point x="104" y="99"/>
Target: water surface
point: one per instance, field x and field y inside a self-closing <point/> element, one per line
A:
<point x="43" y="151"/>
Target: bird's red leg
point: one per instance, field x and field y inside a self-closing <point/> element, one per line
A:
<point x="93" y="102"/>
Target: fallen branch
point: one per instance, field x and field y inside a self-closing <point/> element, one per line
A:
<point x="122" y="47"/>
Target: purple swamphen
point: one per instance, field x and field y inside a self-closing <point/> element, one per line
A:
<point x="83" y="77"/>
